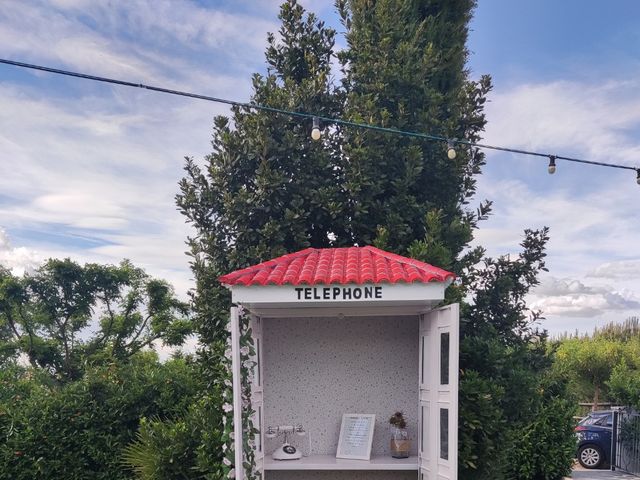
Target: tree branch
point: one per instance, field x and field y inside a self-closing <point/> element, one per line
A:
<point x="139" y="332"/>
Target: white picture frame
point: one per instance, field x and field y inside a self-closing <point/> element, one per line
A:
<point x="356" y="436"/>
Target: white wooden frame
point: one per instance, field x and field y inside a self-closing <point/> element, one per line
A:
<point x="433" y="394"/>
<point x="237" y="391"/>
<point x="342" y="439"/>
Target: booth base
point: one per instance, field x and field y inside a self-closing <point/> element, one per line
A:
<point x="329" y="462"/>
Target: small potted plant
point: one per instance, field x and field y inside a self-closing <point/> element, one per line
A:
<point x="400" y="443"/>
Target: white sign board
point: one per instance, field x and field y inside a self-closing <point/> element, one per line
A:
<point x="334" y="294"/>
<point x="356" y="436"/>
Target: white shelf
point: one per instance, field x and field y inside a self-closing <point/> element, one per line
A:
<point x="330" y="462"/>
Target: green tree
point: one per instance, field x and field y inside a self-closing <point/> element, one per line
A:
<point x="65" y="315"/>
<point x="404" y="69"/>
<point x="590" y="362"/>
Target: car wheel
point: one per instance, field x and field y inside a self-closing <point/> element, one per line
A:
<point x="590" y="456"/>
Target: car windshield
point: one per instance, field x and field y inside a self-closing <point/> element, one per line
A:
<point x="603" y="419"/>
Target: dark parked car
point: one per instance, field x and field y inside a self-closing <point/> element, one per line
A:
<point x="594" y="439"/>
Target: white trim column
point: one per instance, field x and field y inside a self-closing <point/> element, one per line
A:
<point x="237" y="391"/>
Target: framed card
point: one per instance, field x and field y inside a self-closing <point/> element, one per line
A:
<point x="356" y="436"/>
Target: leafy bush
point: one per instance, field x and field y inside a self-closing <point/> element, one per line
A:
<point x="544" y="448"/>
<point x="79" y="430"/>
<point x="163" y="449"/>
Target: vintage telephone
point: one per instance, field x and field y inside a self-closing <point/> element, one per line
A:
<point x="286" y="451"/>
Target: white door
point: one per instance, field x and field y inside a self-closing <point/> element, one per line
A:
<point x="256" y="393"/>
<point x="438" y="431"/>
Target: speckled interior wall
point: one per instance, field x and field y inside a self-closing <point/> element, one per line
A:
<point x="316" y="369"/>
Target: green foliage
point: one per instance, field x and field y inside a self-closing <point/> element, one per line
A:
<point x="80" y="429"/>
<point x="590" y="362"/>
<point x="624" y="381"/>
<point x="542" y="450"/>
<point x="402" y="70"/>
<point x="506" y="405"/>
<point x="603" y="366"/>
<point x="66" y="316"/>
<point x="481" y="425"/>
<point x="163" y="449"/>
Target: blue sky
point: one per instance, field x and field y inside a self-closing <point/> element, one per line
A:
<point x="90" y="171"/>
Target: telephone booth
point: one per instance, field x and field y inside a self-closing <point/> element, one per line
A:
<point x="340" y="331"/>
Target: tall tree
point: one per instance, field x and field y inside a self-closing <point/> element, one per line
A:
<point x="404" y="68"/>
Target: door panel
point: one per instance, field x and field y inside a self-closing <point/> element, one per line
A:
<point x="439" y="352"/>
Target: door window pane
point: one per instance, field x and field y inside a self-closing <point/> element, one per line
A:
<point x="424" y="431"/>
<point x="444" y="433"/>
<point x="421" y="429"/>
<point x="259" y="427"/>
<point x="444" y="358"/>
<point x="258" y="361"/>
<point x="424" y="360"/>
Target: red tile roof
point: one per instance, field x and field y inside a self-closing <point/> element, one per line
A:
<point x="337" y="266"/>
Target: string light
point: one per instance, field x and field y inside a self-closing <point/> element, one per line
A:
<point x="451" y="149"/>
<point x="451" y="143"/>
<point x="315" y="132"/>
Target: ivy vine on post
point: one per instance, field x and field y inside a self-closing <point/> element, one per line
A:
<point x="247" y="364"/>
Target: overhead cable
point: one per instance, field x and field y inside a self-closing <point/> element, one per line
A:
<point x="450" y="142"/>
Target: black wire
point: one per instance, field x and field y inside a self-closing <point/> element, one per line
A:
<point x="336" y="121"/>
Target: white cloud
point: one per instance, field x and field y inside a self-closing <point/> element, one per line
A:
<point x="570" y="297"/>
<point x="596" y="121"/>
<point x="143" y="41"/>
<point x="586" y="228"/>
<point x="17" y="259"/>
<point x="110" y="176"/>
<point x="621" y="270"/>
<point x="553" y="286"/>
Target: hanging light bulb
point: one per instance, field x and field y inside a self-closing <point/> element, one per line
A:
<point x="315" y="132"/>
<point x="552" y="164"/>
<point x="451" y="150"/>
